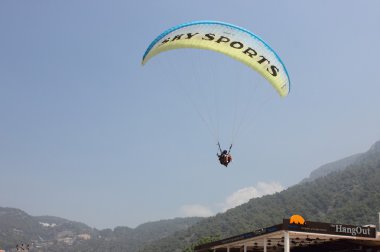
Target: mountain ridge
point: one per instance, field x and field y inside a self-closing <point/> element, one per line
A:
<point x="340" y="164"/>
<point x="350" y="195"/>
<point x="50" y="233"/>
<point x="345" y="191"/>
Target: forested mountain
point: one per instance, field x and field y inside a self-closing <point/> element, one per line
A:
<point x="350" y="195"/>
<point x="335" y="166"/>
<point x="340" y="164"/>
<point x="47" y="233"/>
<point x="17" y="227"/>
<point x="346" y="191"/>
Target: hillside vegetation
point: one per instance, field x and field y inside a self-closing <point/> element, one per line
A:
<point x="345" y="191"/>
<point x="350" y="195"/>
<point x="48" y="233"/>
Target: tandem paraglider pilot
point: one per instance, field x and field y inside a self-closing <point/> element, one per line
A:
<point x="224" y="157"/>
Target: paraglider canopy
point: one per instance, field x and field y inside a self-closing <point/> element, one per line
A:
<point x="230" y="40"/>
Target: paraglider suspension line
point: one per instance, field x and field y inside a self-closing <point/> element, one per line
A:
<point x="220" y="149"/>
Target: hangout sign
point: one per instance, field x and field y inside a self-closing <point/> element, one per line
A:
<point x="297" y="223"/>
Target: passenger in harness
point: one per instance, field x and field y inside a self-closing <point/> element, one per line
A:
<point x="224" y="157"/>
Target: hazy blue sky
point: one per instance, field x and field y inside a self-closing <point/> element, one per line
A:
<point x="88" y="134"/>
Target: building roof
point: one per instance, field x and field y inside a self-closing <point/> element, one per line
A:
<point x="300" y="235"/>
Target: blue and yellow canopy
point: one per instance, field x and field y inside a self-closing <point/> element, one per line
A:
<point x="231" y="40"/>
